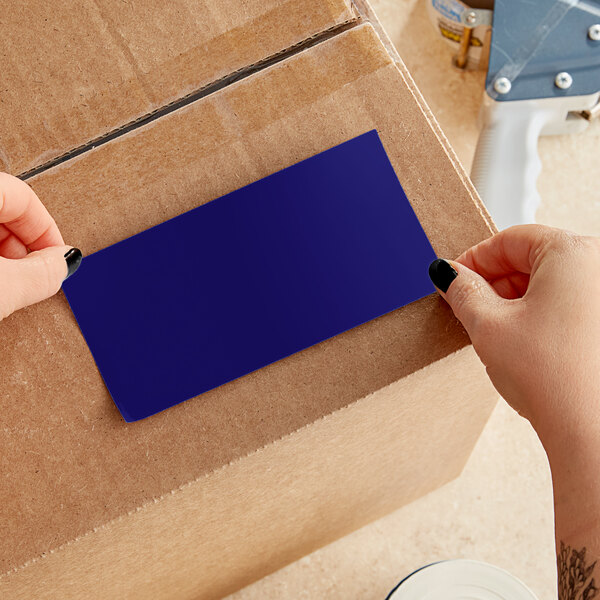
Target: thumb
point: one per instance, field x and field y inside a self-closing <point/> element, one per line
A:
<point x="472" y="299"/>
<point x="38" y="276"/>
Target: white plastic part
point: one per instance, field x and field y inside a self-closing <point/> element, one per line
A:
<point x="506" y="163"/>
<point x="462" y="580"/>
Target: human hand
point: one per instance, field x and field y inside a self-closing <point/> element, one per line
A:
<point x="529" y="298"/>
<point x="34" y="260"/>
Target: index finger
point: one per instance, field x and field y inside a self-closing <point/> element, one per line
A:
<point x="24" y="215"/>
<point x="513" y="250"/>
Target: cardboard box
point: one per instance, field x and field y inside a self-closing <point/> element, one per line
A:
<point x="214" y="493"/>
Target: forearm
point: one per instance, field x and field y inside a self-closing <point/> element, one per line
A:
<point x="575" y="464"/>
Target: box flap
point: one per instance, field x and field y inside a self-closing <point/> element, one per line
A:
<point x="73" y="71"/>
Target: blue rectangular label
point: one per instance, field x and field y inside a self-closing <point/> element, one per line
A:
<point x="250" y="278"/>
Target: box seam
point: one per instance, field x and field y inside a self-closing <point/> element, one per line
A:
<point x="187" y="484"/>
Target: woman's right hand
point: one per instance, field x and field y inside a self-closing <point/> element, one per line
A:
<point x="529" y="298"/>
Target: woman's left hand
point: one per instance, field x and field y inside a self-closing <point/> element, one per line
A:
<point x="34" y="260"/>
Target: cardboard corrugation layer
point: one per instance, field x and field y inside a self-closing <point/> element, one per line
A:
<point x="79" y="70"/>
<point x="69" y="462"/>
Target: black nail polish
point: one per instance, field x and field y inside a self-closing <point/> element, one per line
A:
<point x="73" y="258"/>
<point x="442" y="274"/>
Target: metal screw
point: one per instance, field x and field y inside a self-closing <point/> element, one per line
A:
<point x="594" y="32"/>
<point x="471" y="18"/>
<point x="502" y="85"/>
<point x="563" y="80"/>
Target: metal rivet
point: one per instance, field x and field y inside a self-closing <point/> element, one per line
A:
<point x="563" y="80"/>
<point x="471" y="18"/>
<point x="502" y="85"/>
<point x="594" y="32"/>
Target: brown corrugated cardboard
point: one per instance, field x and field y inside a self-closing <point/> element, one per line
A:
<point x="73" y="71"/>
<point x="205" y="497"/>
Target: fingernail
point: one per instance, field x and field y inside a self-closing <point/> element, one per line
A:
<point x="73" y="258"/>
<point x="442" y="273"/>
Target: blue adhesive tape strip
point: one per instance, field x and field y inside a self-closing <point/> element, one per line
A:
<point x="250" y="278"/>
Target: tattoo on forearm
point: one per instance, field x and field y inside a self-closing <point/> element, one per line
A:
<point x="575" y="577"/>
